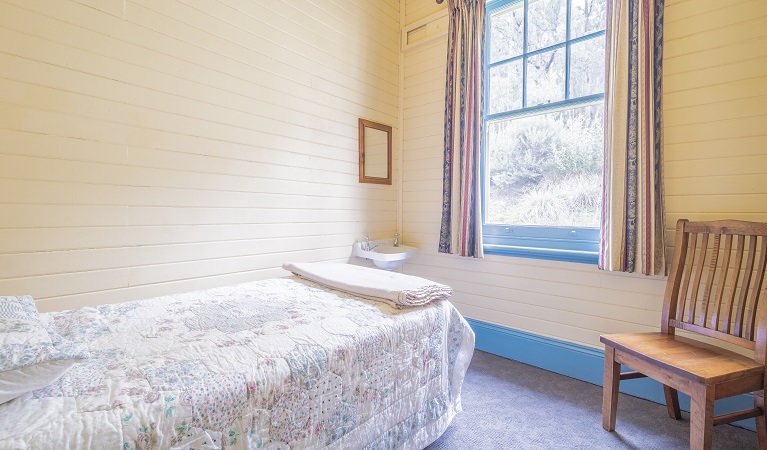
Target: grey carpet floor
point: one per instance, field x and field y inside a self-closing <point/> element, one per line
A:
<point x="510" y="405"/>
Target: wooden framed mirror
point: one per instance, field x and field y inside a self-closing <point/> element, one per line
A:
<point x="375" y="152"/>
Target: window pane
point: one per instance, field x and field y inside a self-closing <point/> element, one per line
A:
<point x="587" y="67"/>
<point x="505" y="88"/>
<point x="546" y="170"/>
<point x="587" y="16"/>
<point x="506" y="33"/>
<point x="547" y="23"/>
<point x="546" y="77"/>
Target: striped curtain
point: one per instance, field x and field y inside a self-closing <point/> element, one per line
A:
<point x="632" y="238"/>
<point x="461" y="231"/>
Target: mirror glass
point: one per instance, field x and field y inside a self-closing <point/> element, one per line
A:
<point x="375" y="152"/>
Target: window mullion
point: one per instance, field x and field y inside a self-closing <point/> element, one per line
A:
<point x="504" y="61"/>
<point x="524" y="57"/>
<point x="533" y="53"/>
<point x="567" y="50"/>
<point x="546" y="108"/>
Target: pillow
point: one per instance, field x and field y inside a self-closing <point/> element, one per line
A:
<point x="24" y="339"/>
<point x="17" y="382"/>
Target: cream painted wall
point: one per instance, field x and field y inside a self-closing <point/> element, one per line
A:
<point x="150" y="147"/>
<point x="715" y="109"/>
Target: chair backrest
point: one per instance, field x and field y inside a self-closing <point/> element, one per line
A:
<point x="716" y="281"/>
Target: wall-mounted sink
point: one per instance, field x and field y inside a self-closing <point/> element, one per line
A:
<point x="384" y="254"/>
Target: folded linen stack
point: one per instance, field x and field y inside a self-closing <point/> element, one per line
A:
<point x="399" y="289"/>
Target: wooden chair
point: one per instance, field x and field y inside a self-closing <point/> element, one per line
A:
<point x="714" y="288"/>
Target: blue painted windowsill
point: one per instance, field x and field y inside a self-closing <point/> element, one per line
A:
<point x="571" y="244"/>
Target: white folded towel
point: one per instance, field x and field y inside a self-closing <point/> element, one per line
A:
<point x="402" y="290"/>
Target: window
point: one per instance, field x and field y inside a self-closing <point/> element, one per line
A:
<point x="543" y="143"/>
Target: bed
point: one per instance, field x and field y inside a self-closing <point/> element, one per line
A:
<point x="283" y="363"/>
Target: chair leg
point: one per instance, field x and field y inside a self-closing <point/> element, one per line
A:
<point x="761" y="421"/>
<point x="701" y="417"/>
<point x="672" y="402"/>
<point x="610" y="387"/>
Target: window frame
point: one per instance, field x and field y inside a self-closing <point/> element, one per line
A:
<point x="570" y="244"/>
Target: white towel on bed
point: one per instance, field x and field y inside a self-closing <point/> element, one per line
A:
<point x="400" y="289"/>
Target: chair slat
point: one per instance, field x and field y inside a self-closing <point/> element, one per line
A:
<point x="730" y="299"/>
<point x="753" y="302"/>
<point x="743" y="297"/>
<point x="724" y="270"/>
<point x="710" y="280"/>
<point x="696" y="282"/>
<point x="689" y="265"/>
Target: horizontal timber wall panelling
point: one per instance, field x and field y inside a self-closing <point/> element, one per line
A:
<point x="156" y="147"/>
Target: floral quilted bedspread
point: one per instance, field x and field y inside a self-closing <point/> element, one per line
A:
<point x="274" y="364"/>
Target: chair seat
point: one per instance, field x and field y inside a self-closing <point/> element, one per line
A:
<point x="693" y="360"/>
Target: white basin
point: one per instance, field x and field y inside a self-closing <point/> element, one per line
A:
<point x="384" y="254"/>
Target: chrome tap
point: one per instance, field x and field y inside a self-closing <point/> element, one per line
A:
<point x="366" y="245"/>
<point x="396" y="239"/>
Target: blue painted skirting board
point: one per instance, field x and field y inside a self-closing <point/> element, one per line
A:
<point x="583" y="363"/>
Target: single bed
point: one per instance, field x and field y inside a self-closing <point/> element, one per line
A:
<point x="284" y="363"/>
